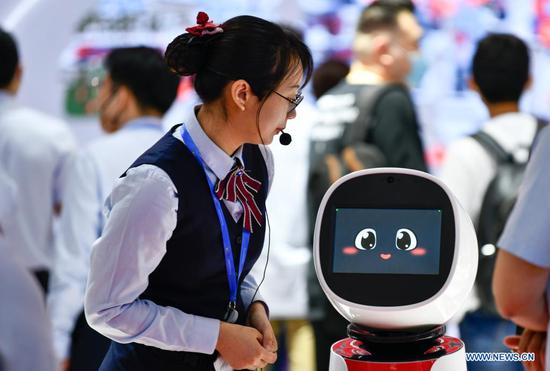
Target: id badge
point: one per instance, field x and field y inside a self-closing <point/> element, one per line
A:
<point x="231" y="315"/>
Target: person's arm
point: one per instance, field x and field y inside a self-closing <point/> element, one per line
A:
<point x="142" y="218"/>
<point x="519" y="288"/>
<point x="523" y="264"/>
<point x="8" y="203"/>
<point x="78" y="229"/>
<point x="64" y="146"/>
<point x="397" y="133"/>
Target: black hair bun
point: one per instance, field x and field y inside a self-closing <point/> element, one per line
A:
<point x="186" y="54"/>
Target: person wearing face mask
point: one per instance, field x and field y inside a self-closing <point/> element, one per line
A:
<point x="169" y="280"/>
<point x="385" y="46"/>
<point x="137" y="90"/>
<point x="374" y="91"/>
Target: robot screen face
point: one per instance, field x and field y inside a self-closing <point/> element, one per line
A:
<point x="387" y="241"/>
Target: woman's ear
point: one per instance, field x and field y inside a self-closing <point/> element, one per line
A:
<point x="241" y="92"/>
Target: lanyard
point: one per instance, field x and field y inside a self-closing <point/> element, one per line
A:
<point x="228" y="252"/>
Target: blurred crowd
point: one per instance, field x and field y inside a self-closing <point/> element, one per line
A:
<point x="360" y="114"/>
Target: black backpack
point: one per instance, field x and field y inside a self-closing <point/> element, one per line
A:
<point x="330" y="159"/>
<point x="498" y="201"/>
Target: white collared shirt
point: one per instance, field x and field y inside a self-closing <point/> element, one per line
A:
<point x="25" y="334"/>
<point x="131" y="247"/>
<point x="33" y="147"/>
<point x="90" y="176"/>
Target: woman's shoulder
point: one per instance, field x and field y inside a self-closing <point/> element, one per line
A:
<point x="145" y="178"/>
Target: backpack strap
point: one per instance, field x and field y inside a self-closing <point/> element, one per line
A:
<point x="496" y="150"/>
<point x="367" y="99"/>
<point x="493" y="147"/>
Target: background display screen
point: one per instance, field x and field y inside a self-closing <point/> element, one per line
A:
<point x="387" y="241"/>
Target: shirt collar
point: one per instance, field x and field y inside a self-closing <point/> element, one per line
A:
<point x="144" y="121"/>
<point x="6" y="98"/>
<point x="213" y="156"/>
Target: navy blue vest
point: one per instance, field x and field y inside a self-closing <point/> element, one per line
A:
<point x="192" y="275"/>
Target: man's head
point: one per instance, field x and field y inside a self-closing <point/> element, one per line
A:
<point x="387" y="35"/>
<point x="138" y="83"/>
<point x="10" y="69"/>
<point x="500" y="68"/>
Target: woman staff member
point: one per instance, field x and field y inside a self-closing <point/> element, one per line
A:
<point x="168" y="280"/>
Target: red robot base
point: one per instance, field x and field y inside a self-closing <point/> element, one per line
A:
<point x="434" y="353"/>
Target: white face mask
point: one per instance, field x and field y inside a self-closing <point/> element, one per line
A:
<point x="418" y="69"/>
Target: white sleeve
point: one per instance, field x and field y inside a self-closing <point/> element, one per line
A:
<point x="79" y="226"/>
<point x="142" y="218"/>
<point x="8" y="197"/>
<point x="65" y="145"/>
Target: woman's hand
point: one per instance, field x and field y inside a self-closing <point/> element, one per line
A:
<point x="529" y="342"/>
<point x="241" y="347"/>
<point x="257" y="318"/>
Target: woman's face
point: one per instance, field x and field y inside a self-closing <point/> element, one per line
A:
<point x="276" y="110"/>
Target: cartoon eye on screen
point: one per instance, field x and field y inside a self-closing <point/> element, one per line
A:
<point x="387" y="241"/>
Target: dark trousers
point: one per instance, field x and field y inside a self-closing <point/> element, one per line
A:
<point x="88" y="347"/>
<point x="328" y="330"/>
<point x="137" y="357"/>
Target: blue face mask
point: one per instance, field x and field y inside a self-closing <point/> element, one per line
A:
<point x="418" y="70"/>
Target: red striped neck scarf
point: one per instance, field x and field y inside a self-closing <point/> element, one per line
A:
<point x="241" y="187"/>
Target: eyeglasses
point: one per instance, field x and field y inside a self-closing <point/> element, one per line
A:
<point x="293" y="103"/>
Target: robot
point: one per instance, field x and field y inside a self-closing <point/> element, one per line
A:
<point x="396" y="255"/>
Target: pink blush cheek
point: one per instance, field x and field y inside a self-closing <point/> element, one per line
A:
<point x="419" y="251"/>
<point x="350" y="250"/>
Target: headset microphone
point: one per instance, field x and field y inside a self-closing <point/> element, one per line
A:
<point x="285" y="138"/>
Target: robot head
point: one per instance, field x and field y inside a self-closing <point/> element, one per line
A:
<point x="393" y="249"/>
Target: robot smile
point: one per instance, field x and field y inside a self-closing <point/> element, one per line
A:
<point x="385" y="256"/>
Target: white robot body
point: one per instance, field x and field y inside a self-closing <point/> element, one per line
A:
<point x="437" y="309"/>
<point x="368" y="224"/>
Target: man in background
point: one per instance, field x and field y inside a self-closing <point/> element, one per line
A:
<point x="33" y="149"/>
<point x="500" y="74"/>
<point x="136" y="92"/>
<point x="375" y="92"/>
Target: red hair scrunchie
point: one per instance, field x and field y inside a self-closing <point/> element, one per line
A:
<point x="204" y="26"/>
